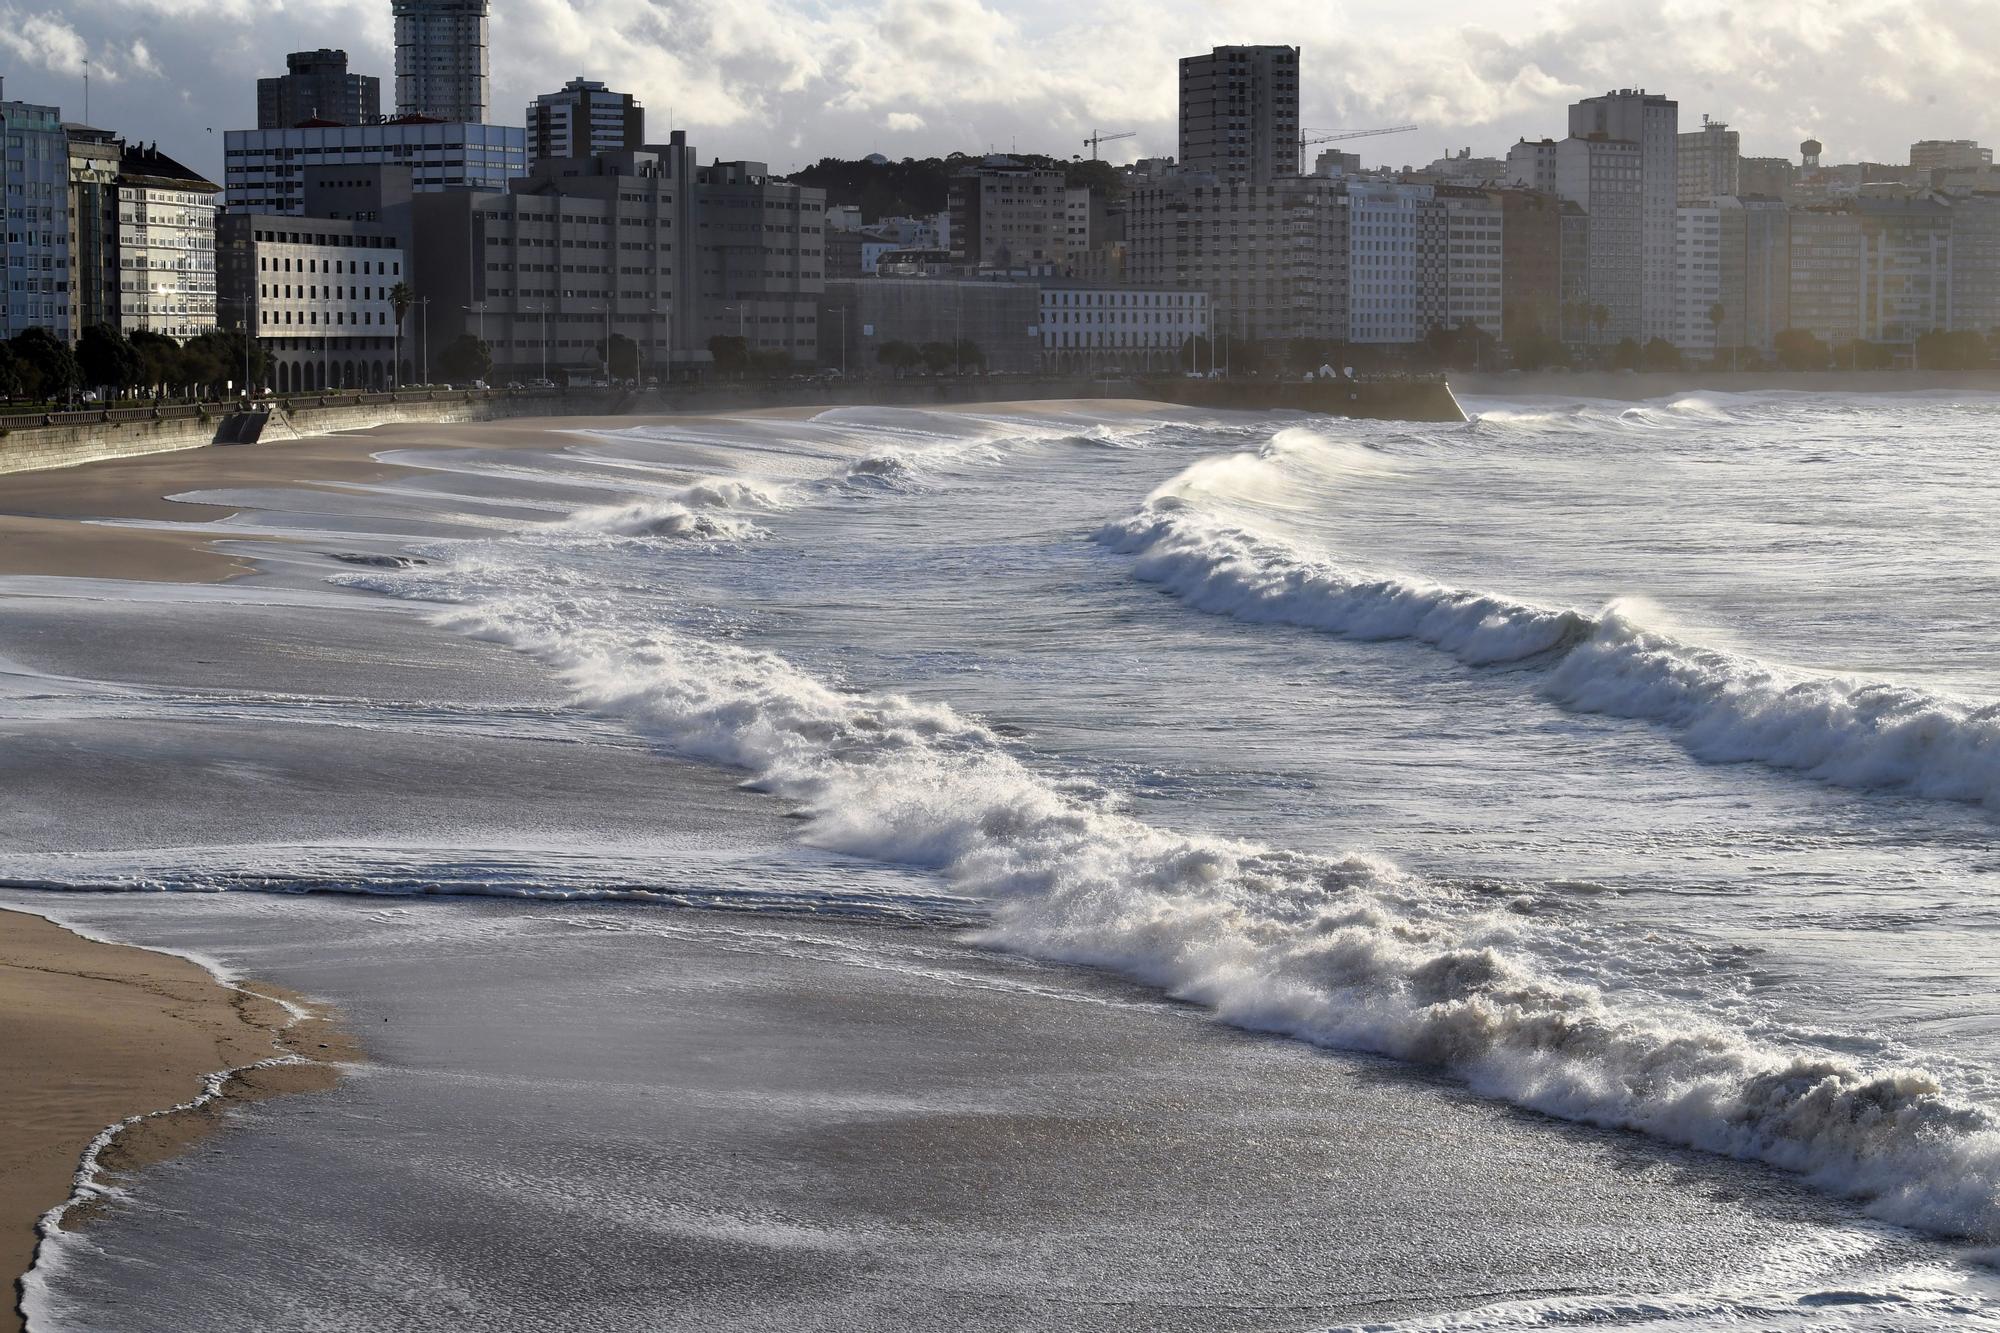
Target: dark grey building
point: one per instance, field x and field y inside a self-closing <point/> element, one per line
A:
<point x="317" y="86"/>
<point x="857" y="319"/>
<point x="441" y="59"/>
<point x="583" y="119"/>
<point x="1240" y="113"/>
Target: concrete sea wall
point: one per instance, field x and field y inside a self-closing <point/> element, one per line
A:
<point x="1639" y="386"/>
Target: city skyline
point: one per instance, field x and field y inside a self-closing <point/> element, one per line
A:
<point x="782" y="82"/>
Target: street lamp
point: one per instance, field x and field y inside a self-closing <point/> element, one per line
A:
<point x="248" y="309"/>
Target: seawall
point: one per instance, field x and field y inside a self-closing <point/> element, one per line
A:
<point x="1638" y="386"/>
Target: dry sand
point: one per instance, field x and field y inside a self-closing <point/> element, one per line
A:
<point x="95" y="1033"/>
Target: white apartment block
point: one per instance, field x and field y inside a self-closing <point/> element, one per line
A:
<point x="1652" y="123"/>
<point x="1383" y="268"/>
<point x="1697" y="276"/>
<point x="1710" y="164"/>
<point x="1473" y="275"/>
<point x="1531" y="164"/>
<point x="1086" y="327"/>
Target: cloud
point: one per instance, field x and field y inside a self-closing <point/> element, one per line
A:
<point x="768" y="79"/>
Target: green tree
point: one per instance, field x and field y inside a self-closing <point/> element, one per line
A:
<point x="1659" y="354"/>
<point x="1600" y="315"/>
<point x="899" y="356"/>
<point x="12" y="381"/>
<point x="1798" y="349"/>
<point x="1626" y="355"/>
<point x="48" y="367"/>
<point x="623" y="358"/>
<point x="730" y="353"/>
<point x="1197" y="354"/>
<point x="1939" y="350"/>
<point x="465" y="359"/>
<point x="105" y="359"/>
<point x="1537" y="351"/>
<point x="159" y="360"/>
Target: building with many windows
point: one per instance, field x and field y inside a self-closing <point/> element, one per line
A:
<point x="166" y="245"/>
<point x="1650" y="123"/>
<point x="1709" y="163"/>
<point x="760" y="258"/>
<point x="1975" y="263"/>
<point x="34" y="176"/>
<point x="1390" y="261"/>
<point x="1697" y="277"/>
<point x="1949" y="155"/>
<point x="1272" y="258"/>
<point x="1089" y="327"/>
<point x="1239" y="113"/>
<point x="1604" y="178"/>
<point x="858" y="319"/>
<point x="1475" y="248"/>
<point x="317" y="86"/>
<point x="265" y="170"/>
<point x="441" y="59"/>
<point x="315" y="293"/>
<point x="583" y="119"/>
<point x="1010" y="217"/>
<point x="1826" y="250"/>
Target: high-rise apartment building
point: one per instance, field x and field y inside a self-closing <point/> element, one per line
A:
<point x="1770" y="177"/>
<point x="1533" y="262"/>
<point x="317" y="86"/>
<point x="1273" y="258"/>
<point x="584" y="119"/>
<point x="93" y="225"/>
<point x="1826" y="248"/>
<point x="1240" y="113"/>
<point x="1697" y="277"/>
<point x="1388" y="267"/>
<point x="1710" y="161"/>
<point x="1949" y="155"/>
<point x="1652" y="124"/>
<point x="34" y="181"/>
<point x="1975" y="263"/>
<point x="1906" y="268"/>
<point x="1605" y="178"/>
<point x="1475" y="245"/>
<point x="1009" y="216"/>
<point x="441" y="59"/>
<point x="760" y="252"/>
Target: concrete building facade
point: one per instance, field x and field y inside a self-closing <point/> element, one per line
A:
<point x="1756" y="271"/>
<point x="441" y="60"/>
<point x="1475" y="251"/>
<point x="317" y="86"/>
<point x="1975" y="263"/>
<point x="1698" y="277"/>
<point x="584" y="119"/>
<point x="1010" y="217"/>
<point x="1709" y="163"/>
<point x="1272" y="258"/>
<point x="1949" y="155"/>
<point x="759" y="258"/>
<point x="1652" y="123"/>
<point x="1239" y="113"/>
<point x="166" y="245"/>
<point x="1604" y="177"/>
<point x="1906" y="268"/>
<point x="1826" y="253"/>
<point x="315" y="293"/>
<point x="1531" y="165"/>
<point x="857" y="319"/>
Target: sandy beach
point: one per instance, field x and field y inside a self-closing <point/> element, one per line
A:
<point x="96" y="1033"/>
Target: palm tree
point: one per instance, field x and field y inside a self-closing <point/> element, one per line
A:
<point x="1600" y="315"/>
<point x="401" y="298"/>
<point x="1716" y="314"/>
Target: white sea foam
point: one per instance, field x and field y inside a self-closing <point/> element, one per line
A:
<point x="1724" y="707"/>
<point x="1346" y="952"/>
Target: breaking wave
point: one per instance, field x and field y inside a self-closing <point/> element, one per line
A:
<point x="697" y="512"/>
<point x="1723" y="707"/>
<point x="1349" y="953"/>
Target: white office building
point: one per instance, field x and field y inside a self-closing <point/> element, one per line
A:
<point x="265" y="170"/>
<point x="1697" y="276"/>
<point x="1384" y="261"/>
<point x="317" y="295"/>
<point x="1088" y="327"/>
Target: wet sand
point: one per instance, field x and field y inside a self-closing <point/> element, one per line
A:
<point x="96" y="1033"/>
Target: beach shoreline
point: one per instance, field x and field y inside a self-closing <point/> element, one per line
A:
<point x="104" y="1035"/>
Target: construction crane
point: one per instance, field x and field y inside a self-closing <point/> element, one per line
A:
<point x="1097" y="140"/>
<point x="1336" y="136"/>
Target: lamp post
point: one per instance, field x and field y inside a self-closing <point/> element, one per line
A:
<point x="841" y="310"/>
<point x="248" y="309"/>
<point x="424" y="338"/>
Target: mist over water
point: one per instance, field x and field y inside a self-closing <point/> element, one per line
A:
<point x="1630" y="765"/>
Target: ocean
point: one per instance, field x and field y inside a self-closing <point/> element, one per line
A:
<point x="1074" y="864"/>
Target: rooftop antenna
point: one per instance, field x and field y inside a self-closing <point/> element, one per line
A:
<point x="86" y="91"/>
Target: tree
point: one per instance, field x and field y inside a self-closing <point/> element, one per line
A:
<point x="48" y="367"/>
<point x="160" y="363"/>
<point x="11" y="380"/>
<point x="465" y="359"/>
<point x="1659" y="354"/>
<point x="105" y="359"/>
<point x="1600" y="315"/>
<point x="1862" y="355"/>
<point x="1798" y="349"/>
<point x="1626" y="355"/>
<point x="1466" y="347"/>
<point x="730" y="353"/>
<point x="956" y="358"/>
<point x="1939" y="350"/>
<point x="899" y="356"/>
<point x="1198" y="354"/>
<point x="1537" y="351"/>
<point x="623" y="358"/>
<point x="401" y="298"/>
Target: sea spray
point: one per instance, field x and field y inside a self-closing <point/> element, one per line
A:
<point x="1346" y="952"/>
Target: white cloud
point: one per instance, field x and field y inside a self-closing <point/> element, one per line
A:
<point x="904" y="122"/>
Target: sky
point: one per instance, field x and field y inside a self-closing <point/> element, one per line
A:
<point x="789" y="81"/>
